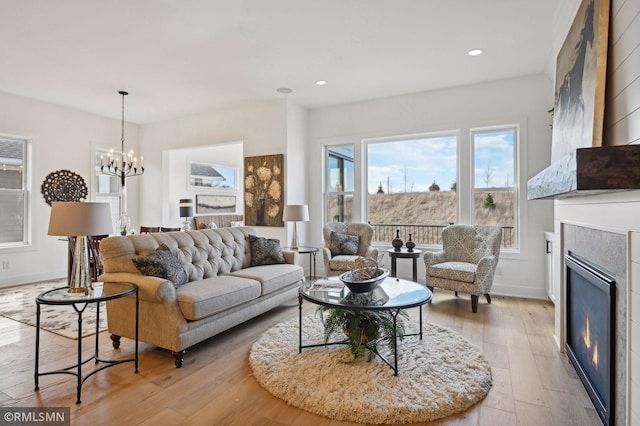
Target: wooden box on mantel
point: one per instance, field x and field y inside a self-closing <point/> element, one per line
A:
<point x="588" y="171"/>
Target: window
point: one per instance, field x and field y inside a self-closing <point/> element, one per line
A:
<point x="412" y="186"/>
<point x="106" y="187"/>
<point x="340" y="185"/>
<point x="14" y="195"/>
<point x="495" y="180"/>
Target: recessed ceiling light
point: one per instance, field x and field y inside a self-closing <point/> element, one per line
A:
<point x="321" y="82"/>
<point x="283" y="90"/>
<point x="475" y="52"/>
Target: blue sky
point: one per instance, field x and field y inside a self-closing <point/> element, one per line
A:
<point x="412" y="165"/>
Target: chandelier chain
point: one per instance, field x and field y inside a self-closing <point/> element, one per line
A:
<point x="126" y="165"/>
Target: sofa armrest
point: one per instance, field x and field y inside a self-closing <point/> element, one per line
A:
<point x="151" y="289"/>
<point x="291" y="256"/>
<point x="326" y="256"/>
<point x="434" y="257"/>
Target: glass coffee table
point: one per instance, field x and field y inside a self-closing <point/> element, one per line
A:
<point x="392" y="295"/>
<point x="79" y="301"/>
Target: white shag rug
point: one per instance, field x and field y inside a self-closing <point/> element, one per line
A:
<point x="438" y="376"/>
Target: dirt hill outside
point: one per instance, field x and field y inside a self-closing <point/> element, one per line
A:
<point x="438" y="209"/>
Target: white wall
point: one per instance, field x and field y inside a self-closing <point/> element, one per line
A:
<point x="61" y="138"/>
<point x="261" y="125"/>
<point x="524" y="100"/>
<point x="297" y="177"/>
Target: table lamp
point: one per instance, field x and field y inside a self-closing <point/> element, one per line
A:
<point x="80" y="219"/>
<point x="295" y="213"/>
<point x="186" y="212"/>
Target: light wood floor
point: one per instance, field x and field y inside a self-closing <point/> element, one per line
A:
<point x="533" y="384"/>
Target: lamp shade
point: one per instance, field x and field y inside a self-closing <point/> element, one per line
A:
<point x="186" y="207"/>
<point x="80" y="219"/>
<point x="296" y="213"/>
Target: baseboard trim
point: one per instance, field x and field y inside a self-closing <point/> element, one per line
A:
<point x="519" y="291"/>
<point x="31" y="278"/>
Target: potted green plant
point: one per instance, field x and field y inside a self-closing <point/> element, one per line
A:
<point x="364" y="330"/>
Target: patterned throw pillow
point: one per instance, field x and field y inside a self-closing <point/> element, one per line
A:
<point x="163" y="264"/>
<point x="265" y="251"/>
<point x="343" y="244"/>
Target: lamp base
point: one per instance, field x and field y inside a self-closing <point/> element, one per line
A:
<point x="80" y="276"/>
<point x="186" y="225"/>
<point x="294" y="238"/>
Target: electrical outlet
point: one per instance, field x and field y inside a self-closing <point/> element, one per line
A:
<point x="5" y="264"/>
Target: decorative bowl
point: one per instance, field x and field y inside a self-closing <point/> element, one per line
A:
<point x="357" y="285"/>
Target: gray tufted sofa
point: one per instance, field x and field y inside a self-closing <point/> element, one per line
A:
<point x="222" y="291"/>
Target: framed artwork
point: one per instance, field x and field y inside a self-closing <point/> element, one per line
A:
<point x="578" y="110"/>
<point x="263" y="190"/>
<point x="212" y="176"/>
<point x="209" y="203"/>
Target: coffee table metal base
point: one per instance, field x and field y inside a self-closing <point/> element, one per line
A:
<point x="394" y="314"/>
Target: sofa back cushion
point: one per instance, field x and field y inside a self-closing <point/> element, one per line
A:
<point x="203" y="254"/>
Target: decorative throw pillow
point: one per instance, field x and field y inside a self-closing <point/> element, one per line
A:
<point x="163" y="264"/>
<point x="265" y="251"/>
<point x="343" y="244"/>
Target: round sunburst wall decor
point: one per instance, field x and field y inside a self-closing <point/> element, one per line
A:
<point x="63" y="185"/>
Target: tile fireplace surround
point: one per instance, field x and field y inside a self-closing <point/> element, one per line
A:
<point x="609" y="251"/>
<point x="605" y="229"/>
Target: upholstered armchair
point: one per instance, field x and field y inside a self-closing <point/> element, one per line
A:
<point x="467" y="262"/>
<point x="344" y="243"/>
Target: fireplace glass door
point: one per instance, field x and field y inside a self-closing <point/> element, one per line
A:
<point x="590" y="330"/>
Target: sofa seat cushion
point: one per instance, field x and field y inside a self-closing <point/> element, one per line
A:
<point x="342" y="262"/>
<point x="457" y="271"/>
<point x="199" y="299"/>
<point x="272" y="277"/>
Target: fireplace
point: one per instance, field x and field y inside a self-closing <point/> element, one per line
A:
<point x="590" y="342"/>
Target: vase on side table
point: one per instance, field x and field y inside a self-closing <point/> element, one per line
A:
<point x="410" y="244"/>
<point x="397" y="241"/>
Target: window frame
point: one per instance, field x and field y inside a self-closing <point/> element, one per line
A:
<point x="26" y="191"/>
<point x="516" y="129"/>
<point x="455" y="133"/>
<point x="328" y="192"/>
<point x="114" y="199"/>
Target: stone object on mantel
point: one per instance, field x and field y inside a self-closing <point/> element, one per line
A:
<point x="588" y="171"/>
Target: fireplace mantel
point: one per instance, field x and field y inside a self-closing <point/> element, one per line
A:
<point x="588" y="171"/>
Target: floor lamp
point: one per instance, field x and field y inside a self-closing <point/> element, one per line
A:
<point x="79" y="220"/>
<point x="295" y="213"/>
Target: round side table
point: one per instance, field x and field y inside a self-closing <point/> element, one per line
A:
<point x="79" y="302"/>
<point x="404" y="254"/>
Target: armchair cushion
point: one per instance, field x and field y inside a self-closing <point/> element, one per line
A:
<point x="343" y="244"/>
<point x="457" y="271"/>
<point x="162" y="264"/>
<point x="342" y="262"/>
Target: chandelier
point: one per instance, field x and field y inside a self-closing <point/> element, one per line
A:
<point x="122" y="164"/>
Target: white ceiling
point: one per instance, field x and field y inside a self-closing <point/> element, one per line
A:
<point x="177" y="57"/>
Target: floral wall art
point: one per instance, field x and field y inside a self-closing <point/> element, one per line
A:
<point x="263" y="190"/>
